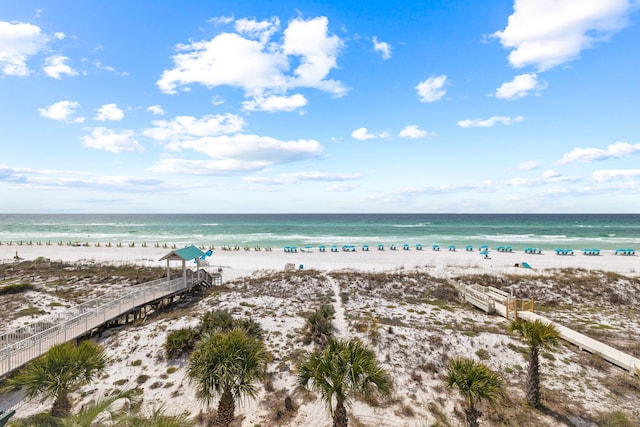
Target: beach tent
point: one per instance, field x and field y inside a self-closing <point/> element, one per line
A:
<point x="185" y="254"/>
<point x="525" y="265"/>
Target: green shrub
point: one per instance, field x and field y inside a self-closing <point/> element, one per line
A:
<point x="15" y="288"/>
<point x="216" y="321"/>
<point x="483" y="354"/>
<point x="252" y="327"/>
<point x="319" y="327"/>
<point x="180" y="341"/>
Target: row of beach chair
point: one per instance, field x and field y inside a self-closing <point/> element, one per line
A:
<point x="483" y="249"/>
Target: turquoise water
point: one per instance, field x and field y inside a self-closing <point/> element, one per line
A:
<point x="267" y="230"/>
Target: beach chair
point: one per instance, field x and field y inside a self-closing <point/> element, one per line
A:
<point x="365" y="248"/>
<point x="468" y="248"/>
<point x="380" y="247"/>
<point x="322" y="248"/>
<point x="452" y="248"/>
<point x="334" y="249"/>
<point x="418" y="246"/>
<point x="405" y="247"/>
<point x="435" y="247"/>
<point x="392" y="247"/>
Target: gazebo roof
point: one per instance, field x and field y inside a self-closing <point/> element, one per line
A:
<point x="185" y="254"/>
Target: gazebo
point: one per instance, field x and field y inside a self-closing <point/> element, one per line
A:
<point x="185" y="254"/>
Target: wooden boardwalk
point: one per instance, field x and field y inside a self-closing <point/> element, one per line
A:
<point x="28" y="342"/>
<point x="492" y="300"/>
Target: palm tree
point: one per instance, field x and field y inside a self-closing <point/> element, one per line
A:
<point x="319" y="327"/>
<point x="63" y="368"/>
<point x="340" y="371"/>
<point x="157" y="418"/>
<point x="88" y="414"/>
<point x="475" y="382"/>
<point x="227" y="364"/>
<point x="537" y="335"/>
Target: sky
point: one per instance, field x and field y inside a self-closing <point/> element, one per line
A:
<point x="522" y="106"/>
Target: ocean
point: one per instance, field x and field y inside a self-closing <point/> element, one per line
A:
<point x="545" y="231"/>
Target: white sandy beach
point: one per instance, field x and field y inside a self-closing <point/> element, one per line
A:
<point x="241" y="263"/>
<point x="418" y="392"/>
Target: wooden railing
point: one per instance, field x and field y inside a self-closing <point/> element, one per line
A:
<point x="28" y="342"/>
<point x="493" y="300"/>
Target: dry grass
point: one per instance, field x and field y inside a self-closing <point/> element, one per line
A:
<point x="413" y="320"/>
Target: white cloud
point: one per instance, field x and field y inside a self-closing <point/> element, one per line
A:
<point x="252" y="148"/>
<point x="528" y="165"/>
<point x="55" y="67"/>
<point x="227" y="59"/>
<point x="112" y="141"/>
<point x="275" y="103"/>
<point x="109" y="112"/>
<point x="549" y="174"/>
<point x="260" y="30"/>
<point x="317" y="52"/>
<point x="613" y="151"/>
<point x="61" y="110"/>
<point x="296" y="177"/>
<point x="221" y="20"/>
<point x="413" y="132"/>
<point x="156" y="110"/>
<point x="188" y="127"/>
<point x="99" y="65"/>
<point x="18" y="41"/>
<point x="259" y="66"/>
<point x="520" y="86"/>
<point x="547" y="33"/>
<point x="432" y="89"/>
<point x="362" y="134"/>
<point x="490" y="122"/>
<point x="614" y="174"/>
<point x="237" y="153"/>
<point x="51" y="178"/>
<point x="383" y="47"/>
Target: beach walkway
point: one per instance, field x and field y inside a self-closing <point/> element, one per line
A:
<point x="493" y="300"/>
<point x="28" y="342"/>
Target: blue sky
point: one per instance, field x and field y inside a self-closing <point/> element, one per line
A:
<point x="320" y="106"/>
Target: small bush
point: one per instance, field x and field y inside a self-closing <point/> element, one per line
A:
<point x="483" y="354"/>
<point x="319" y="327"/>
<point x="215" y="321"/>
<point x="180" y="341"/>
<point x="15" y="288"/>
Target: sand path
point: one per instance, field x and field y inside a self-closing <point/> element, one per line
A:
<point x="339" y="321"/>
